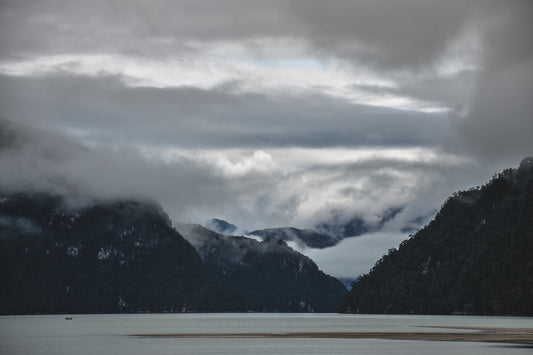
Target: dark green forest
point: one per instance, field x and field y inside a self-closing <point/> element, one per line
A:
<point x="269" y="275"/>
<point x="120" y="256"/>
<point x="475" y="257"/>
<point x="125" y="256"/>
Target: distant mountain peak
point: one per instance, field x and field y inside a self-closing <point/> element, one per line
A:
<point x="224" y="227"/>
<point x="302" y="237"/>
<point x="117" y="256"/>
<point x="339" y="227"/>
<point x="268" y="274"/>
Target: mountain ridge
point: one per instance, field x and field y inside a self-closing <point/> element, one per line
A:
<point x="473" y="258"/>
<point x="269" y="275"/>
<point x="106" y="257"/>
<point x="302" y="237"/>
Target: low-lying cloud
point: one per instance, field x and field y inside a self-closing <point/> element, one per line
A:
<point x="253" y="188"/>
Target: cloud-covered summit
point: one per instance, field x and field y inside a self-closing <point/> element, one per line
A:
<point x="267" y="114"/>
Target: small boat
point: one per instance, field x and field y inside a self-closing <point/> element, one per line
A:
<point x="68" y="318"/>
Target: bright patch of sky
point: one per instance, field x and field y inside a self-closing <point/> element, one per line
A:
<point x="354" y="256"/>
<point x="242" y="161"/>
<point x="238" y="67"/>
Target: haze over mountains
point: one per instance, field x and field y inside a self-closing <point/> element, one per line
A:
<point x="43" y="161"/>
<point x="269" y="275"/>
<point x="73" y="250"/>
<point x="64" y="253"/>
<point x="125" y="256"/>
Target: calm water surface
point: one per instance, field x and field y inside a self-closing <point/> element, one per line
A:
<point x="112" y="334"/>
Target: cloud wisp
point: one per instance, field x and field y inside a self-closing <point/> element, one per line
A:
<point x="264" y="188"/>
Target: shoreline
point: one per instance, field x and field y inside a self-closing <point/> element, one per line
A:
<point x="480" y="334"/>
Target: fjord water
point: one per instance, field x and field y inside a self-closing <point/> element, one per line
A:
<point x="115" y="334"/>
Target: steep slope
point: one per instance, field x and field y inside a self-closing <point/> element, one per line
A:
<point x="120" y="256"/>
<point x="269" y="275"/>
<point x="302" y="237"/>
<point x="474" y="257"/>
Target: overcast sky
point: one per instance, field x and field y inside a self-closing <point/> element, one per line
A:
<point x="267" y="113"/>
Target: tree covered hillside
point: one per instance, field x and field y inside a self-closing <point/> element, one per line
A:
<point x="270" y="276"/>
<point x="120" y="256"/>
<point x="475" y="257"/>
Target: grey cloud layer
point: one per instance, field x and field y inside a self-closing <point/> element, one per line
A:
<point x="405" y="40"/>
<point x="194" y="118"/>
<point x="401" y="33"/>
<point x="44" y="161"/>
<point x="499" y="117"/>
<point x="193" y="190"/>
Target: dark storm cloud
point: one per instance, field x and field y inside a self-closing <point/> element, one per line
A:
<point x="498" y="120"/>
<point x="390" y="34"/>
<point x="139" y="27"/>
<point x="196" y="118"/>
<point x="403" y="36"/>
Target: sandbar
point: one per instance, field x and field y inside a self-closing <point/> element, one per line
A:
<point x="478" y="334"/>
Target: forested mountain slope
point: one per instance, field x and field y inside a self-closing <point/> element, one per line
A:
<point x="120" y="256"/>
<point x="475" y="257"/>
<point x="269" y="275"/>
